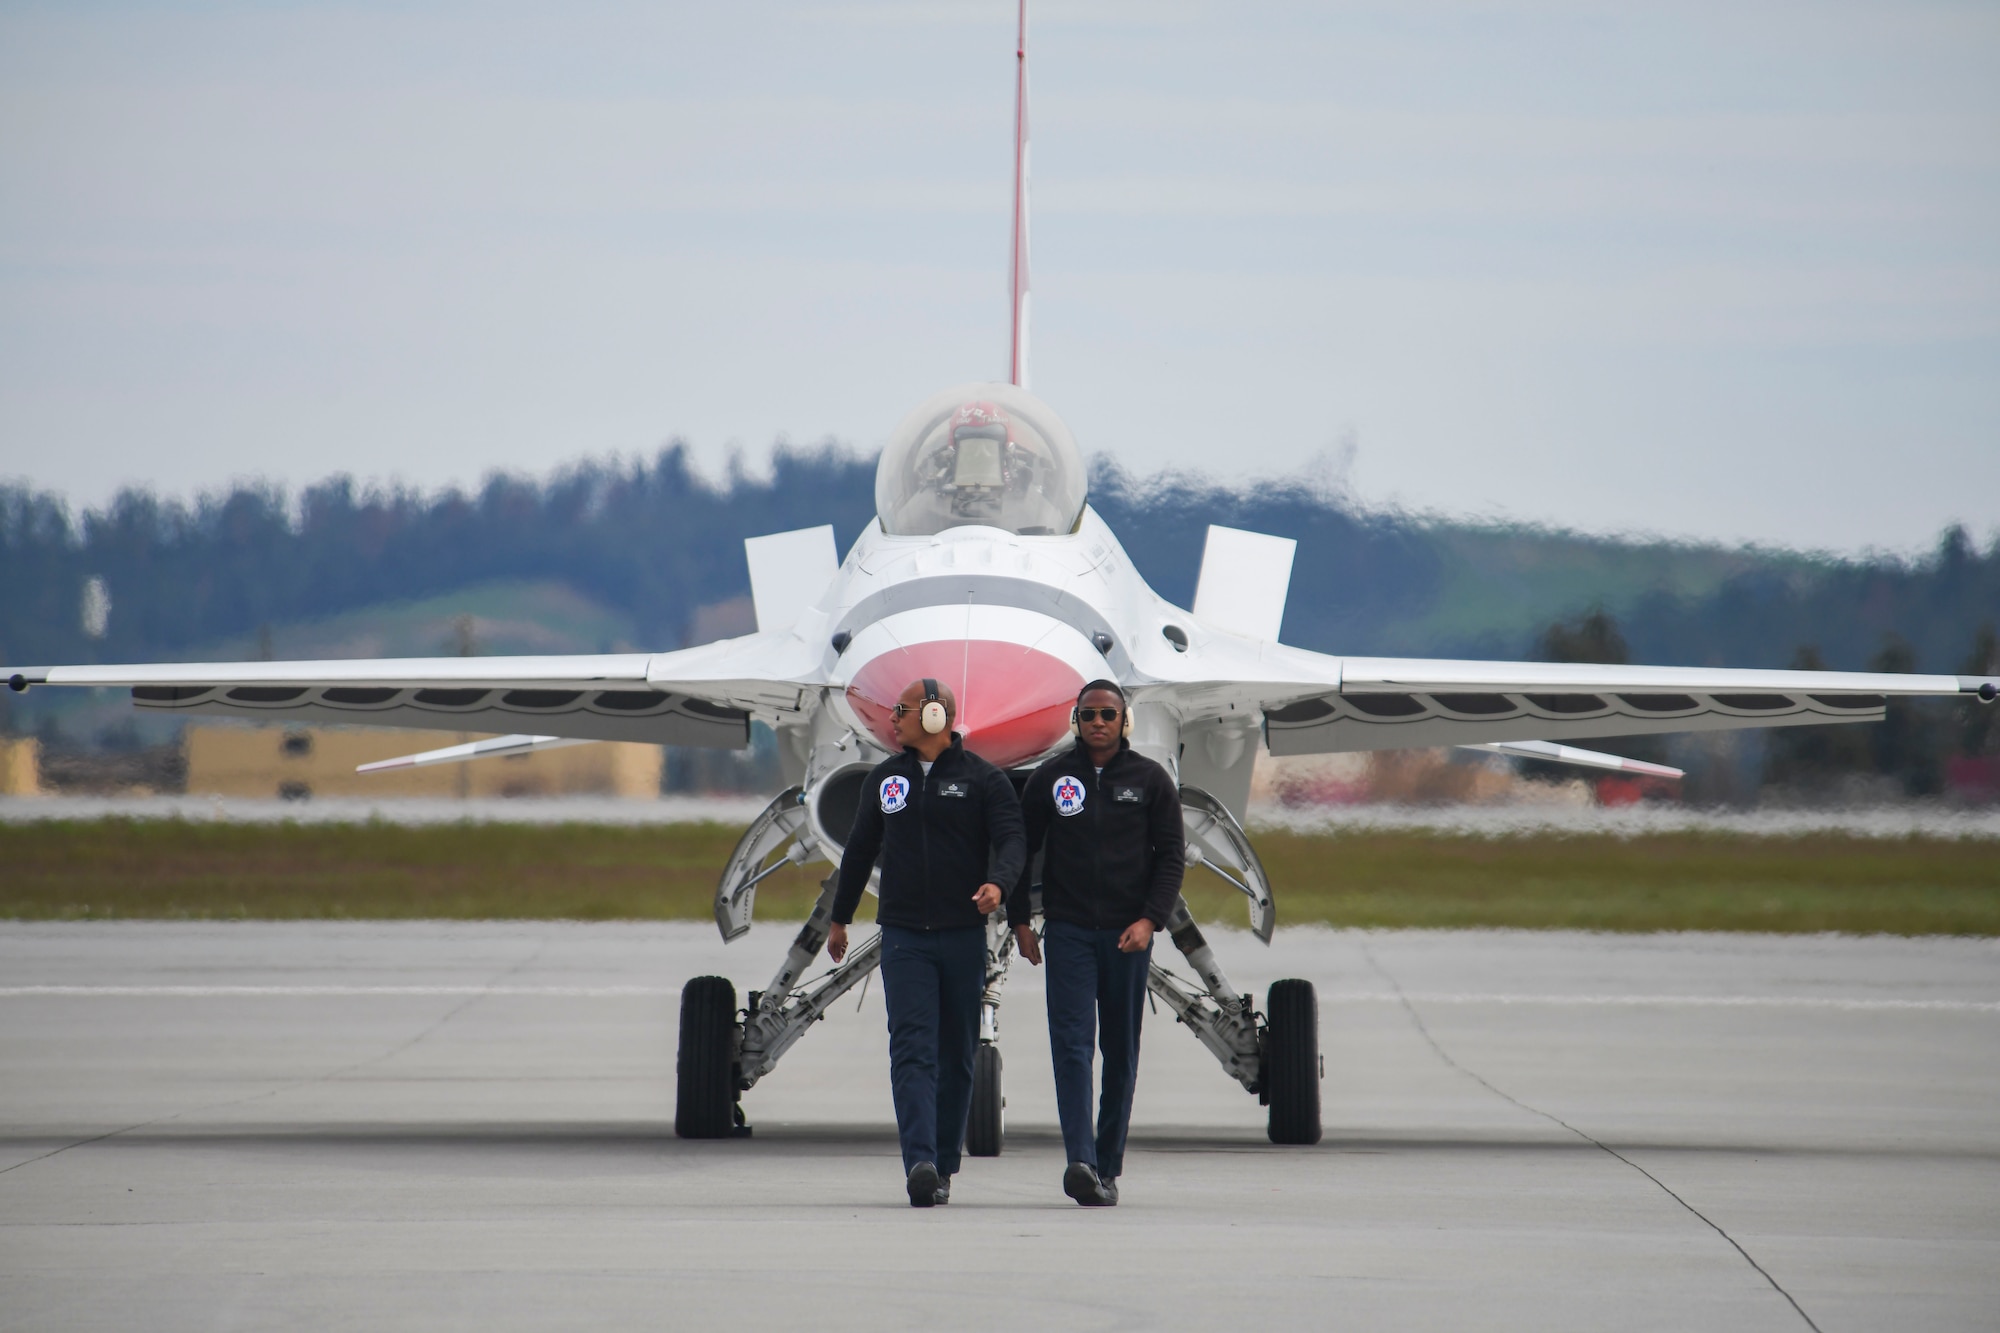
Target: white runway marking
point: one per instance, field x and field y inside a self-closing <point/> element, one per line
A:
<point x="230" y="992"/>
<point x="1684" y="1001"/>
<point x="1354" y="997"/>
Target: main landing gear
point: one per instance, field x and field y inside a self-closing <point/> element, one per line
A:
<point x="724" y="1050"/>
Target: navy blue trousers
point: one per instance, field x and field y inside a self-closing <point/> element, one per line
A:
<point x="1096" y="998"/>
<point x="931" y="983"/>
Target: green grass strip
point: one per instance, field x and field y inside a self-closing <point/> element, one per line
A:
<point x="185" y="870"/>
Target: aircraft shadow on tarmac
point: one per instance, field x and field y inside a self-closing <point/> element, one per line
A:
<point x="808" y="1140"/>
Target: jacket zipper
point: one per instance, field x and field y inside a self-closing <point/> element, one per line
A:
<point x="924" y="782"/>
<point x="1097" y="831"/>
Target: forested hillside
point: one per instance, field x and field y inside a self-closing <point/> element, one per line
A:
<point x="656" y="542"/>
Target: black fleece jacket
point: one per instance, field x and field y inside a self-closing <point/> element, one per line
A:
<point x="1115" y="845"/>
<point x="939" y="838"/>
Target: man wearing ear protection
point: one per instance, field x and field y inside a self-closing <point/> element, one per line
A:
<point x="946" y="826"/>
<point x="1109" y="822"/>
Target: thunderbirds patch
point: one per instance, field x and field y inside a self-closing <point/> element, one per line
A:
<point x="895" y="793"/>
<point x="1069" y="795"/>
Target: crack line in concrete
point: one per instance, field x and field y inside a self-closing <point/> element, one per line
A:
<point x="453" y="1012"/>
<point x="1424" y="1031"/>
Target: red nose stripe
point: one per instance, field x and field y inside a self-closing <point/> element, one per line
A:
<point x="1013" y="702"/>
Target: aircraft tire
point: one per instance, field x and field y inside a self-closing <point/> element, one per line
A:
<point x="985" y="1128"/>
<point x="704" y="1084"/>
<point x="1291" y="1062"/>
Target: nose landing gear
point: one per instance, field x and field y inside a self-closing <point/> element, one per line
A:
<point x="985" y="1129"/>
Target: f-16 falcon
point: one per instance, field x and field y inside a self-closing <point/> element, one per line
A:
<point x="986" y="568"/>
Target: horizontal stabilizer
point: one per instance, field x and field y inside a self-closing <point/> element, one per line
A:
<point x="458" y="754"/>
<point x="1244" y="579"/>
<point x="1569" y="754"/>
<point x="788" y="572"/>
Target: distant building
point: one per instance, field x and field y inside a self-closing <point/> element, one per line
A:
<point x="295" y="763"/>
<point x="20" y="766"/>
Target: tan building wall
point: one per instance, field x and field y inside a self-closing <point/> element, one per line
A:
<point x="265" y="762"/>
<point x="20" y="767"/>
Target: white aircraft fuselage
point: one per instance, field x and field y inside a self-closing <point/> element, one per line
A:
<point x="1014" y="625"/>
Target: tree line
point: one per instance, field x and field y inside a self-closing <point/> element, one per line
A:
<point x="657" y="540"/>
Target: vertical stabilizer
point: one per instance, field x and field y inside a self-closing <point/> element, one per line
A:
<point x="1018" y="269"/>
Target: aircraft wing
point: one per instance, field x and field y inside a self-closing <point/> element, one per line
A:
<point x="704" y="696"/>
<point x="1313" y="703"/>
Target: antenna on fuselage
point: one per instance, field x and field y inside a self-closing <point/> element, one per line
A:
<point x="1018" y="268"/>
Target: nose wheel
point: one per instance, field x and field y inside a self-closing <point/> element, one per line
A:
<point x="985" y="1128"/>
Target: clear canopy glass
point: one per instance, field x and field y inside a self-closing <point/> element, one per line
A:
<point x="987" y="454"/>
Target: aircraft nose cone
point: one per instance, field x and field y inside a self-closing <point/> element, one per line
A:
<point x="1013" y="701"/>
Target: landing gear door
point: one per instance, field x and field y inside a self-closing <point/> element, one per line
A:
<point x="783" y="820"/>
<point x="1216" y="842"/>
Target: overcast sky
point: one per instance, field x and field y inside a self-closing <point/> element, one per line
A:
<point x="1721" y="270"/>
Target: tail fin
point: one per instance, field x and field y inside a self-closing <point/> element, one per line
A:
<point x="1018" y="348"/>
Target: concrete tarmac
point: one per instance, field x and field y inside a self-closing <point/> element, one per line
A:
<point x="442" y="1126"/>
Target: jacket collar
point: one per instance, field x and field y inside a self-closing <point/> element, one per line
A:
<point x="957" y="746"/>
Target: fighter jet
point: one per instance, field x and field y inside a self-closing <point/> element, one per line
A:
<point x="986" y="568"/>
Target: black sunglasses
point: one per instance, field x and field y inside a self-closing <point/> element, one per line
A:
<point x="1094" y="714"/>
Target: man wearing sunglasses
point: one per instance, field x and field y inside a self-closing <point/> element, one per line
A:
<point x="946" y="826"/>
<point x="1109" y="822"/>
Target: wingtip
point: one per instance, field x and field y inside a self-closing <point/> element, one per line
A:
<point x="1644" y="769"/>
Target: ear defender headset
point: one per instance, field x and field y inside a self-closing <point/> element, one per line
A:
<point x="1124" y="707"/>
<point x="933" y="715"/>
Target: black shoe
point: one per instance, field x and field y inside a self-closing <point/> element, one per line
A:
<point x="1080" y="1182"/>
<point x="923" y="1185"/>
<point x="943" y="1194"/>
<point x="1110" y="1184"/>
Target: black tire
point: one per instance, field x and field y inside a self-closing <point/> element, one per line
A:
<point x="1291" y="1062"/>
<point x="985" y="1128"/>
<point x="705" y="1071"/>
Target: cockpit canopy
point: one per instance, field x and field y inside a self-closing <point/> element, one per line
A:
<point x="987" y="454"/>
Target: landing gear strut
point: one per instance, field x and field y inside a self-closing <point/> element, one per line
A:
<point x="1274" y="1055"/>
<point x="724" y="1052"/>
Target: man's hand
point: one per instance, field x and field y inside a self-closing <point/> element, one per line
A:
<point x="836" y="941"/>
<point x="1030" y="947"/>
<point x="987" y="898"/>
<point x="1136" y="937"/>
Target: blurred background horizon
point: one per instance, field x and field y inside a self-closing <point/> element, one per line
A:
<point x="1723" y="273"/>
